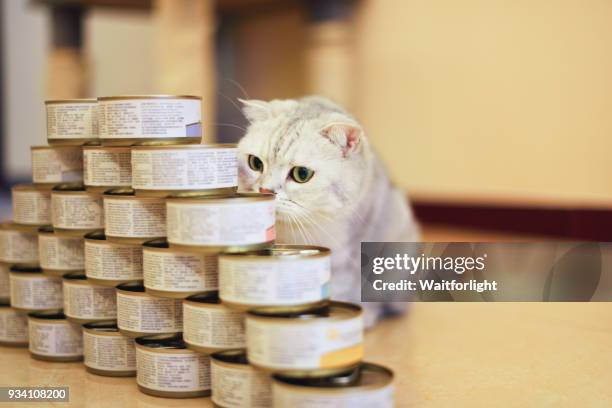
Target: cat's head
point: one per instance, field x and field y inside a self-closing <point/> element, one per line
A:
<point x="309" y="152"/>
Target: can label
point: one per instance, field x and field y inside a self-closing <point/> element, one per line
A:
<point x="149" y="118"/>
<point x="107" y="167"/>
<point x="340" y="398"/>
<point x="180" y="271"/>
<point x="220" y="224"/>
<point x="321" y="343"/>
<point x="57" y="165"/>
<point x="106" y="261"/>
<point x="77" y="211"/>
<point x="184" y="169"/>
<point x="85" y="301"/>
<point x="18" y="246"/>
<point x="32" y="207"/>
<point x="5" y="289"/>
<point x="240" y="387"/>
<point x="55" y="339"/>
<point x="274" y="281"/>
<point x="146" y="314"/>
<point x="213" y="326"/>
<point x="72" y="120"/>
<point x="61" y="253"/>
<point x="179" y="372"/>
<point x="110" y="353"/>
<point x="135" y="218"/>
<point x="13" y="326"/>
<point x="36" y="292"/>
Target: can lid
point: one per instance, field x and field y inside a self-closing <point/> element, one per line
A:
<point x="74" y="276"/>
<point x="96" y="235"/>
<point x="119" y="97"/>
<point x="157" y="243"/>
<point x="283" y="251"/>
<point x="211" y="297"/>
<point x="55" y="314"/>
<point x="25" y="269"/>
<point x="334" y="309"/>
<point x="364" y="375"/>
<point x="199" y="197"/>
<point x="77" y="186"/>
<point x="77" y="100"/>
<point x="135" y="286"/>
<point x="237" y="356"/>
<point x="121" y="191"/>
<point x="104" y="326"/>
<point x="5" y="303"/>
<point x="173" y="145"/>
<point x="163" y="341"/>
<point x="30" y="187"/>
<point x="46" y="229"/>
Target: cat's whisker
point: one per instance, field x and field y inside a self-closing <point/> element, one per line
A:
<point x="240" y="87"/>
<point x="230" y="100"/>
<point x="229" y="125"/>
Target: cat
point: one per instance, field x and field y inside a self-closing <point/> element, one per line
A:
<point x="331" y="189"/>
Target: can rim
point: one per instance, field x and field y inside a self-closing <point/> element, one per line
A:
<point x="210" y="298"/>
<point x="31" y="187"/>
<point x="120" y="192"/>
<point x="233" y="357"/>
<point x="199" y="198"/>
<point x="74" y="187"/>
<point x="100" y="147"/>
<point x="52" y="314"/>
<point x="52" y="147"/>
<point x="102" y="328"/>
<point x="46" y="229"/>
<point x="136" y="286"/>
<point x="143" y="146"/>
<point x="164" y="343"/>
<point x="281" y="252"/>
<point x="12" y="226"/>
<point x="95" y="235"/>
<point x="155" y="96"/>
<point x="75" y="276"/>
<point x="25" y="269"/>
<point x="328" y="311"/>
<point x="75" y="100"/>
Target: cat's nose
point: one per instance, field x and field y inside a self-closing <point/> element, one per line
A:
<point x="265" y="190"/>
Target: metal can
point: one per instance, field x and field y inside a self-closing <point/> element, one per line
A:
<point x="18" y="244"/>
<point x="295" y="277"/>
<point x="85" y="302"/>
<point x="133" y="219"/>
<point x="13" y="326"/>
<point x="32" y="291"/>
<point x="177" y="274"/>
<point x="236" y="384"/>
<point x="107" y="351"/>
<point x="316" y="343"/>
<point x="31" y="204"/>
<point x="140" y="314"/>
<point x="236" y="223"/>
<point x="5" y="288"/>
<point x="367" y="385"/>
<point x="209" y="326"/>
<point x="166" y="368"/>
<point x="59" y="253"/>
<point x="125" y="120"/>
<point x="56" y="164"/>
<point x="53" y="338"/>
<point x="164" y="170"/>
<point x="75" y="210"/>
<point x="110" y="263"/>
<point x="106" y="167"/>
<point x="72" y="121"/>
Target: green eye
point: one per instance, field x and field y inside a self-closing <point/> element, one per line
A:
<point x="301" y="174"/>
<point x="255" y="163"/>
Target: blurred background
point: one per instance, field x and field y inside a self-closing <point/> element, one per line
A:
<point x="493" y="115"/>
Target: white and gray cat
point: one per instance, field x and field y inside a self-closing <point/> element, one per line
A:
<point x="331" y="189"/>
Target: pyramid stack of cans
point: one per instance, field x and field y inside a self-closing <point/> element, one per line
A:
<point x="133" y="251"/>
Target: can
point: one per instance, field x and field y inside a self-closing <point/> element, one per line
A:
<point x="133" y="219"/>
<point x="236" y="223"/>
<point x="13" y="326"/>
<point x="56" y="164"/>
<point x="163" y="170"/>
<point x="106" y="167"/>
<point x="53" y="337"/>
<point x="32" y="291"/>
<point x="128" y="119"/>
<point x="72" y="121"/>
<point x="209" y="326"/>
<point x="140" y="314"/>
<point x="108" y="352"/>
<point x="367" y="385"/>
<point x="75" y="210"/>
<point x="31" y="204"/>
<point x="177" y="274"/>
<point x="315" y="343"/>
<point x="5" y="288"/>
<point x="85" y="302"/>
<point x="110" y="263"/>
<point x="295" y="277"/>
<point x="166" y="368"/>
<point x="18" y="244"/>
<point x="236" y="384"/>
<point x="59" y="253"/>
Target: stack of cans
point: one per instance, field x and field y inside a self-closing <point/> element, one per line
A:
<point x="133" y="251"/>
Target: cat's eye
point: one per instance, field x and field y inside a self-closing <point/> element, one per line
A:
<point x="255" y="163"/>
<point x="301" y="174"/>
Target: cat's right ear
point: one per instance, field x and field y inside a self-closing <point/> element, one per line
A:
<point x="255" y="110"/>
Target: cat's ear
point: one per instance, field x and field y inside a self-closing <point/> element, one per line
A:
<point x="255" y="110"/>
<point x="346" y="136"/>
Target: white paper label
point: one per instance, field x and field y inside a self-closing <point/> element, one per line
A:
<point x="274" y="280"/>
<point x="242" y="387"/>
<point x="150" y="118"/>
<point x="77" y="211"/>
<point x="109" y="166"/>
<point x="213" y="326"/>
<point x="184" y="169"/>
<point x="83" y="301"/>
<point x="346" y="398"/>
<point x="106" y="261"/>
<point x="57" y="165"/>
<point x="55" y="339"/>
<point x="72" y="121"/>
<point x="61" y="253"/>
<point x="147" y="314"/>
<point x="221" y="224"/>
<point x="32" y="207"/>
<point x="18" y="246"/>
<point x="180" y="372"/>
<point x="13" y="326"/>
<point x="110" y="353"/>
<point x="135" y="218"/>
<point x="38" y="292"/>
<point x="179" y="271"/>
